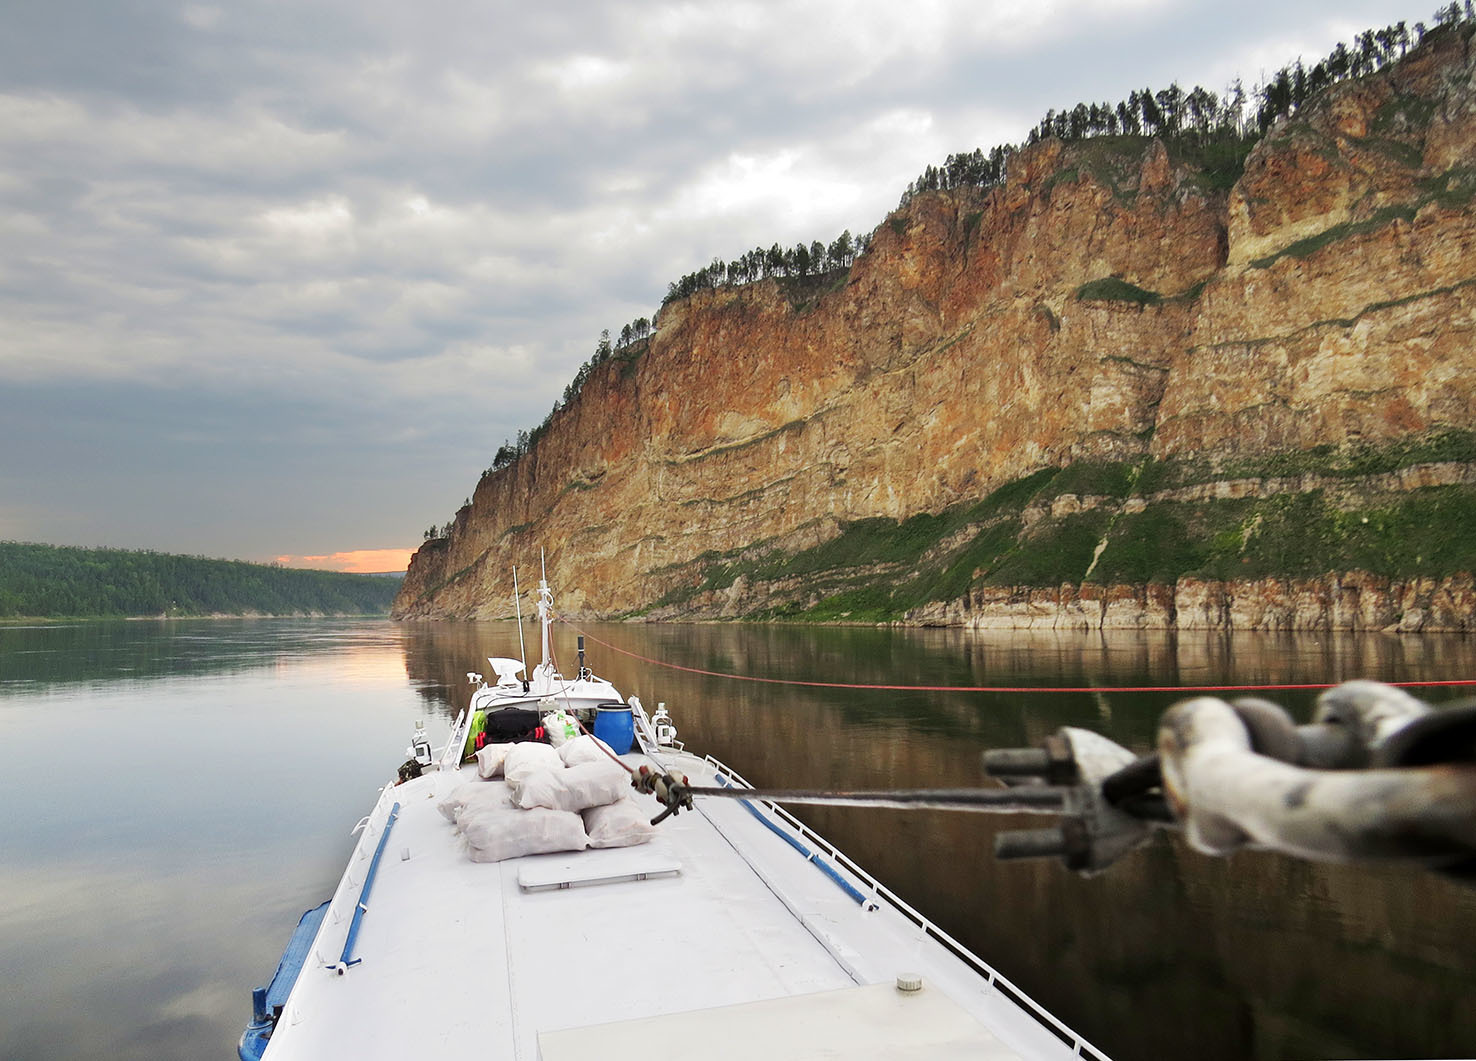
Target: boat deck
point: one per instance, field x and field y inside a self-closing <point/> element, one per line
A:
<point x="718" y="935"/>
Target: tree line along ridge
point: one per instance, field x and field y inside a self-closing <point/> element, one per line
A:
<point x="1225" y="126"/>
<point x="53" y="581"/>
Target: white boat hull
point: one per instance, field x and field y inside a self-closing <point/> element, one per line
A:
<point x="719" y="929"/>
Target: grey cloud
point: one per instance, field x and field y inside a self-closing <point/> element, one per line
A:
<point x="219" y="268"/>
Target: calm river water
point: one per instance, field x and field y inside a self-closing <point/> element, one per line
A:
<point x="176" y="794"/>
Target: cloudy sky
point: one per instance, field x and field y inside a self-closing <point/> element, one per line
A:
<point x="277" y="277"/>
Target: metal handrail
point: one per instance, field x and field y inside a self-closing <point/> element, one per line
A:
<point x="343" y="894"/>
<point x="992" y="976"/>
<point x="361" y="907"/>
<point x="451" y="754"/>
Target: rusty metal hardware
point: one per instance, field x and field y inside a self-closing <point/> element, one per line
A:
<point x="1377" y="775"/>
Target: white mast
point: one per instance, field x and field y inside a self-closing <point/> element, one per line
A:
<point x="545" y="611"/>
<point x="518" y="607"/>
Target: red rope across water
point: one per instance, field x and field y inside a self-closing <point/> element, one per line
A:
<point x="1283" y="687"/>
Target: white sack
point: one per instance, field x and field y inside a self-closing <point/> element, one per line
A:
<point x="489" y="760"/>
<point x="573" y="789"/>
<point x="543" y="788"/>
<point x="495" y="833"/>
<point x="596" y="784"/>
<point x="560" y="727"/>
<point x="529" y="757"/>
<point x="623" y="823"/>
<point x="474" y="794"/>
<point x="585" y="749"/>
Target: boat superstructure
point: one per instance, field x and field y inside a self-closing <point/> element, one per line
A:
<point x="546" y="685"/>
<point x="735" y="931"/>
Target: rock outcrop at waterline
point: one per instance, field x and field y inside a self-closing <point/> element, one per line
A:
<point x="1300" y="347"/>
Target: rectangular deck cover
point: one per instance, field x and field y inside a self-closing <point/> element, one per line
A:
<point x="872" y="1022"/>
<point x="613" y="866"/>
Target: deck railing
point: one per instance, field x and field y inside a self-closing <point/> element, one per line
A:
<point x="347" y="896"/>
<point x="993" y="977"/>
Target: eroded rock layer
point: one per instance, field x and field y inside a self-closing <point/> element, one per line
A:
<point x="1108" y="307"/>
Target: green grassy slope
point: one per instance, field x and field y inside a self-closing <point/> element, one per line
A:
<point x="1311" y="513"/>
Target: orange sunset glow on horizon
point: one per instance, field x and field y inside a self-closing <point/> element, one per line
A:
<point x="355" y="561"/>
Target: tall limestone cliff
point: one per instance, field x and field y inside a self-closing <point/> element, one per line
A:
<point x="1107" y="392"/>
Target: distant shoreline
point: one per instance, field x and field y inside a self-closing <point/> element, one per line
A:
<point x="18" y="620"/>
<point x="65" y="582"/>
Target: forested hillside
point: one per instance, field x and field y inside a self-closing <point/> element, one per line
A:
<point x="54" y="581"/>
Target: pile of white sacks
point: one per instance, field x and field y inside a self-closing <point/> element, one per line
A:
<point x="534" y="798"/>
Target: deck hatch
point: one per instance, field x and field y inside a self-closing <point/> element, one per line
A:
<point x="594" y="868"/>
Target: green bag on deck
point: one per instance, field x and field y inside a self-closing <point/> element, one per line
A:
<point x="477" y="728"/>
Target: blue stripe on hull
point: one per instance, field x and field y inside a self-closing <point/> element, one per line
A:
<point x="266" y="1001"/>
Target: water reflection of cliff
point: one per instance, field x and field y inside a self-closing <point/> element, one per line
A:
<point x="1170" y="953"/>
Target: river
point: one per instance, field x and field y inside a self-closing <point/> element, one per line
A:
<point x="177" y="793"/>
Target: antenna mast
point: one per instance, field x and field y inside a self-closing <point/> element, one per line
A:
<point x="545" y="609"/>
<point x="518" y="607"/>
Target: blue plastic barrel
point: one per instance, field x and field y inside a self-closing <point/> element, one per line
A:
<point x="615" y="725"/>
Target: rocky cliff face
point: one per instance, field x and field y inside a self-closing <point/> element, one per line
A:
<point x="1108" y="305"/>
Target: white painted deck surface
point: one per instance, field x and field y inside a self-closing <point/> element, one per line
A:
<point x="875" y="1022"/>
<point x="731" y="944"/>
